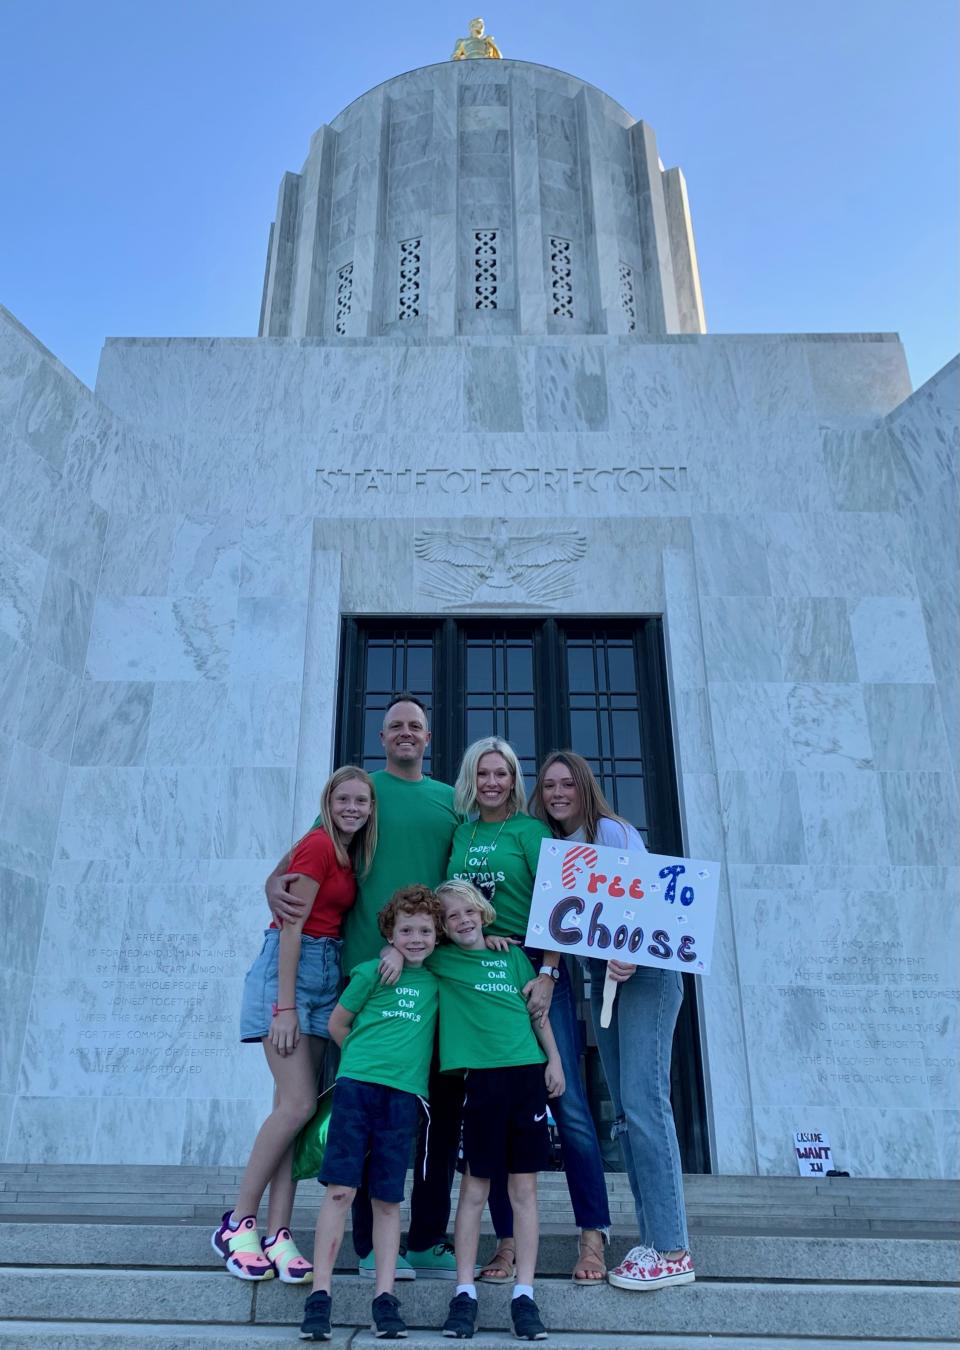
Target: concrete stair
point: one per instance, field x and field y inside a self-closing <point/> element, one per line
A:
<point x="93" y="1259"/>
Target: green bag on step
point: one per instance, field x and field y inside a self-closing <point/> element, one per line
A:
<point x="311" y="1143"/>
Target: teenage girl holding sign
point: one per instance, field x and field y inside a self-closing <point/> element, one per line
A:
<point x="635" y="1047"/>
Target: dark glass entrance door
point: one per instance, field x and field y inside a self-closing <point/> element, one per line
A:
<point x="542" y="684"/>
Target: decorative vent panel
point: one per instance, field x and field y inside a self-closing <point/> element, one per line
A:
<point x="408" y="298"/>
<point x="561" y="286"/>
<point x="344" y="298"/>
<point x="627" y="299"/>
<point x="485" y="261"/>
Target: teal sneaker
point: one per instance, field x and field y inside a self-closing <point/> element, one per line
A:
<point x="436" y="1263"/>
<point x="367" y="1268"/>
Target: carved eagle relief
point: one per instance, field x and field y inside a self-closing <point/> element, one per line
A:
<point x="502" y="568"/>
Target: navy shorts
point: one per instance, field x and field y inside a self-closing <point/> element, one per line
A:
<point x="370" y="1119"/>
<point x="318" y="983"/>
<point x="505" y="1121"/>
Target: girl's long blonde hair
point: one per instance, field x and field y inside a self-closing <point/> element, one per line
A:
<point x="594" y="804"/>
<point x="356" y="849"/>
<point x="465" y="788"/>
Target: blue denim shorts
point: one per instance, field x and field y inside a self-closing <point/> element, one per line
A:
<point x="318" y="982"/>
<point x="368" y="1118"/>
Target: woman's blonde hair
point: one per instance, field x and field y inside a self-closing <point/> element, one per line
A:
<point x="469" y="894"/>
<point x="592" y="801"/>
<point x="465" y="788"/>
<point x="358" y="848"/>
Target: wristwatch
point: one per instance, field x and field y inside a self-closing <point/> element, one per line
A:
<point x="552" y="971"/>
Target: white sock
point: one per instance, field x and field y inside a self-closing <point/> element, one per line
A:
<point x="470" y="1289"/>
<point x="520" y="1289"/>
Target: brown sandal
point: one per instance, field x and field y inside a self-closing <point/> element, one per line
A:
<point x="591" y="1267"/>
<point x="502" y="1268"/>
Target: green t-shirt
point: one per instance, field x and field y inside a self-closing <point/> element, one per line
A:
<point x="415" y="823"/>
<point x="484" y="1023"/>
<point x="391" y="1040"/>
<point x="505" y="853"/>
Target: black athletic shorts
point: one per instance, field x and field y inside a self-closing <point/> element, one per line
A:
<point x="505" y="1121"/>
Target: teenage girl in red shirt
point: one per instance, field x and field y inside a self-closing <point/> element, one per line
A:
<point x="288" y="996"/>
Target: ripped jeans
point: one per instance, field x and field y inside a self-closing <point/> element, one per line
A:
<point x="635" y="1051"/>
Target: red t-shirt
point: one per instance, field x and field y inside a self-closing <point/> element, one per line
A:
<point x="314" y="857"/>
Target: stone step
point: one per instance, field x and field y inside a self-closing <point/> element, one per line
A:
<point x="721" y="1308"/>
<point x="177" y="1336"/>
<point x="731" y="1257"/>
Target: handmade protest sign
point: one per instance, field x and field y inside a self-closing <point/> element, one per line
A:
<point x="648" y="909"/>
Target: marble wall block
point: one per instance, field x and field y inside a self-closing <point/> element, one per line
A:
<point x="148" y="476"/>
<point x="788" y="1041"/>
<point x="101" y="808"/>
<point x="19" y="356"/>
<point x="318" y="706"/>
<point x="216" y="1128"/>
<point x="46" y="410"/>
<point x="731" y="555"/>
<point x="63" y="623"/>
<point x="870" y="379"/>
<point x="37" y="1129"/>
<point x="890" y="641"/>
<point x="751" y="726"/>
<point x="842" y="817"/>
<point x="29" y="489"/>
<point x="161" y="638"/>
<point x="906" y="726"/>
<point x="262" y="722"/>
<point x="22" y="900"/>
<point x="96" y="445"/>
<point x="22" y="576"/>
<point x="851" y="553"/>
<point x="148" y="382"/>
<point x="425" y="390"/>
<point x="275" y="555"/>
<point x="120" y="1130"/>
<point x="891" y="1142"/>
<point x="920" y="810"/>
<point x="78" y="536"/>
<point x="48" y="712"/>
<point x="493" y="398"/>
<point x="571" y="389"/>
<point x="176" y="812"/>
<point x="15" y="989"/>
<point x="31" y="807"/>
<point x="827" y="726"/>
<point x="643" y="389"/>
<point x="112" y="722"/>
<point x="269" y="639"/>
<point x="254" y="817"/>
<point x="859" y="466"/>
<point x="775" y="1126"/>
<point x="136" y="555"/>
<point x="815" y="639"/>
<point x="727" y="1074"/>
<point x="217" y="474"/>
<point x="188" y="723"/>
<point x="761" y="816"/>
<point x="14" y="664"/>
<point x="205" y="558"/>
<point x="740" y="638"/>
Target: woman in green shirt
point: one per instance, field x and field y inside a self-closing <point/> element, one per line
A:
<point x="497" y="848"/>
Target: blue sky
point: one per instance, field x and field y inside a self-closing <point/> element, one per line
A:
<point x="143" y="141"/>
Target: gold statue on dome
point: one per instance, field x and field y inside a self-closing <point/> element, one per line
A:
<point x="477" y="45"/>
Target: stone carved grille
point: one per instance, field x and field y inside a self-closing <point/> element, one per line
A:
<point x="561" y="270"/>
<point x="627" y="299"/>
<point x="344" y="298"/>
<point x="485" y="262"/>
<point x="408" y="299"/>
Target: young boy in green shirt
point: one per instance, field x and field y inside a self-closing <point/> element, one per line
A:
<point x="386" y="1035"/>
<point x="485" y="1029"/>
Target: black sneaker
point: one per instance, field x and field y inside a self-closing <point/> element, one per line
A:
<point x="462" y="1318"/>
<point x="316" y="1317"/>
<point x="526" y="1319"/>
<point x="387" y="1322"/>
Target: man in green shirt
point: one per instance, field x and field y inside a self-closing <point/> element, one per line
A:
<point x="415" y="826"/>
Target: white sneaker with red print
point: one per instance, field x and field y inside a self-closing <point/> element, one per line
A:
<point x="644" y="1268"/>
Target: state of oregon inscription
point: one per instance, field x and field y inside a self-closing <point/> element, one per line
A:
<point x="614" y="478"/>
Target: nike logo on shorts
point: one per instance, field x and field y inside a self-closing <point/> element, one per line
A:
<point x="541" y="1117"/>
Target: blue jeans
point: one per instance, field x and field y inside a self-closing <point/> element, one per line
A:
<point x="578" y="1137"/>
<point x="635" y="1051"/>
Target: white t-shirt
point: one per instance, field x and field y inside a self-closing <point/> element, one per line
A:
<point x="613" y="834"/>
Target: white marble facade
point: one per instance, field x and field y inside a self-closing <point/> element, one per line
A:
<point x="176" y="553"/>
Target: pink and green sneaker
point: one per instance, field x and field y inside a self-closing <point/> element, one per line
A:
<point x="283" y="1253"/>
<point x="240" y="1249"/>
